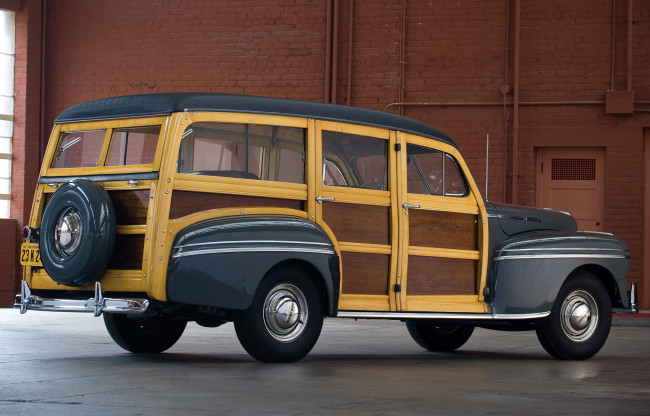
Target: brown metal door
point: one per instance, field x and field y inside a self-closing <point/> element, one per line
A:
<point x="572" y="179"/>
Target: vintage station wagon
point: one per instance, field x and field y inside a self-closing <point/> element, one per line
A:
<point x="156" y="210"/>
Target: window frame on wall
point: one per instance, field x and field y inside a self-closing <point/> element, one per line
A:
<point x="7" y="63"/>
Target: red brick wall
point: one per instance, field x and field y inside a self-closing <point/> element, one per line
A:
<point x="7" y="263"/>
<point x="458" y="56"/>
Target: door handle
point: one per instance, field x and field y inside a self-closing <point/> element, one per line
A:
<point x="407" y="206"/>
<point x="320" y="199"/>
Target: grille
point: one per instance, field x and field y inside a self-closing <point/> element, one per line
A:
<point x="573" y="169"/>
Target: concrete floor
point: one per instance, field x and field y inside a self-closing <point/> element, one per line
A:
<point x="66" y="364"/>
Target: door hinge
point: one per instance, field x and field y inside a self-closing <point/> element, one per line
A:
<point x="398" y="288"/>
<point x="398" y="147"/>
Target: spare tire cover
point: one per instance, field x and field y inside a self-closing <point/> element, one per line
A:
<point x="77" y="233"/>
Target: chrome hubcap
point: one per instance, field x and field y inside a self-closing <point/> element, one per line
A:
<point x="67" y="233"/>
<point x="285" y="312"/>
<point x="579" y="316"/>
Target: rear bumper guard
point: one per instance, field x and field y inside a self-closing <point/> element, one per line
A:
<point x="26" y="301"/>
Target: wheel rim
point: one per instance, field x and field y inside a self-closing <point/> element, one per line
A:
<point x="579" y="316"/>
<point x="67" y="232"/>
<point x="285" y="312"/>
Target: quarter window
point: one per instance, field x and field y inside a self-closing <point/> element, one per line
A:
<point x="355" y="161"/>
<point x="432" y="172"/>
<point x="133" y="146"/>
<point x="249" y="151"/>
<point x="79" y="149"/>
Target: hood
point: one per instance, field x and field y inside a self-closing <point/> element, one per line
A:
<point x="517" y="219"/>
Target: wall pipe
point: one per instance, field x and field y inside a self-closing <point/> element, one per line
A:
<point x="504" y="90"/>
<point x="496" y="103"/>
<point x="335" y="51"/>
<point x="629" y="44"/>
<point x="42" y="139"/>
<point x="350" y="32"/>
<point x="402" y="55"/>
<point x="328" y="51"/>
<point x="613" y="52"/>
<point x="515" y="111"/>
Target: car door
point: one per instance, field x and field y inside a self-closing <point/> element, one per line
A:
<point x="356" y="171"/>
<point x="443" y="230"/>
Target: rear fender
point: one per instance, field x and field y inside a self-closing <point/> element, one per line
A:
<point x="221" y="262"/>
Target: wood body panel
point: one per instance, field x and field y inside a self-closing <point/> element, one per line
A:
<point x="441" y="276"/>
<point x="127" y="253"/>
<point x="188" y="202"/>
<point x="365" y="273"/>
<point x="443" y="229"/>
<point x="358" y="223"/>
<point x="130" y="206"/>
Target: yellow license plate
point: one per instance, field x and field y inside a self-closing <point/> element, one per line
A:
<point x="30" y="255"/>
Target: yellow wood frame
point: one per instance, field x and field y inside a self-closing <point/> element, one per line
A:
<point x="470" y="204"/>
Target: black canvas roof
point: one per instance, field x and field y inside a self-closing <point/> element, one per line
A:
<point x="161" y="104"/>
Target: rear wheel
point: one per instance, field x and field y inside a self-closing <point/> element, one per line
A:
<point x="436" y="337"/>
<point x="143" y="335"/>
<point x="580" y="320"/>
<point x="284" y="320"/>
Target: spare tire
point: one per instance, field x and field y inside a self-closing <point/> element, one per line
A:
<point x="77" y="233"/>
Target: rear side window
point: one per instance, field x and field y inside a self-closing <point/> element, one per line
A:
<point x="133" y="146"/>
<point x="79" y="149"/>
<point x="249" y="151"/>
<point x="354" y="160"/>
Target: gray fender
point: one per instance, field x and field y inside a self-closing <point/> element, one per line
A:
<point x="221" y="262"/>
<point x="529" y="270"/>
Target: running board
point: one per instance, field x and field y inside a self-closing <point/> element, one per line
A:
<point x="441" y="316"/>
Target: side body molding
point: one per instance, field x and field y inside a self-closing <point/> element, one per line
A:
<point x="220" y="262"/>
<point x="529" y="270"/>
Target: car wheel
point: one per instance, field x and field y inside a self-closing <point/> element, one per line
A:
<point x="77" y="233"/>
<point x="436" y="337"/>
<point x="284" y="320"/>
<point x="580" y="320"/>
<point x="143" y="335"/>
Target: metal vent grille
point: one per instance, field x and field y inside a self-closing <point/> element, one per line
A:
<point x="573" y="169"/>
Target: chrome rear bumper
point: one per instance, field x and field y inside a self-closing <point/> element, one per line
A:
<point x="26" y="301"/>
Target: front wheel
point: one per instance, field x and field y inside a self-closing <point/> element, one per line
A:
<point x="436" y="337"/>
<point x="284" y="320"/>
<point x="580" y="320"/>
<point x="143" y="335"/>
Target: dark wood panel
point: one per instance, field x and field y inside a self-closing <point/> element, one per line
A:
<point x="441" y="276"/>
<point x="365" y="274"/>
<point x="187" y="202"/>
<point x="127" y="254"/>
<point x="358" y="223"/>
<point x="130" y="206"/>
<point x="443" y="229"/>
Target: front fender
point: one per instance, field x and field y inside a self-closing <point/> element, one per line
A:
<point x="220" y="262"/>
<point x="528" y="271"/>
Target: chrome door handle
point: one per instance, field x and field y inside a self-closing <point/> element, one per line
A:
<point x="407" y="206"/>
<point x="320" y="199"/>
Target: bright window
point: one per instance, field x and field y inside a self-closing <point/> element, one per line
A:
<point x="7" y="53"/>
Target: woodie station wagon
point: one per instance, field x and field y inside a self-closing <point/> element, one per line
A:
<point x="156" y="210"/>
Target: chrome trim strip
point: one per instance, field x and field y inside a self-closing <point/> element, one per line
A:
<point x="559" y="249"/>
<point x="26" y="301"/>
<point x="253" y="250"/>
<point x="113" y="177"/>
<point x="440" y="315"/>
<point x="561" y="256"/>
<point x="211" y="243"/>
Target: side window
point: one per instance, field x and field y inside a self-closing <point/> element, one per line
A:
<point x="133" y="146"/>
<point x="248" y="151"/>
<point x="79" y="149"/>
<point x="355" y="161"/>
<point x="432" y="172"/>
